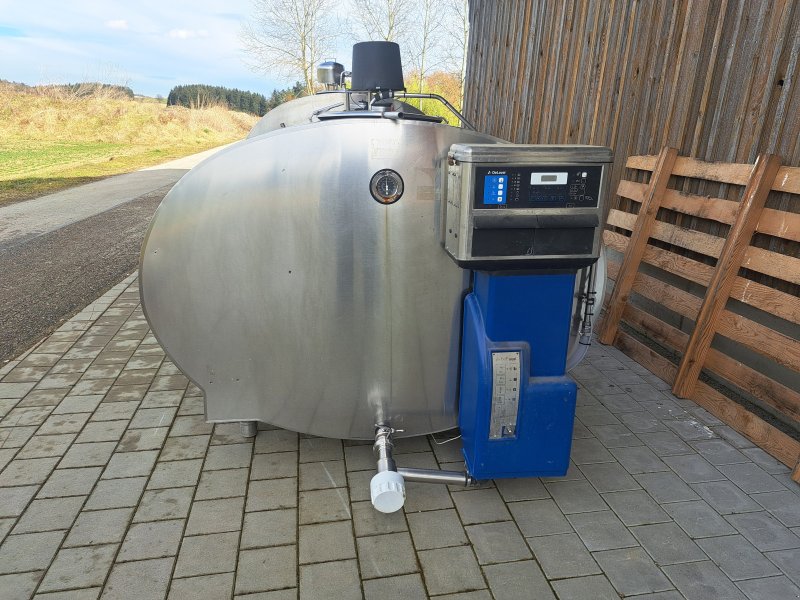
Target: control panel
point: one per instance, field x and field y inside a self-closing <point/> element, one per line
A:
<point x="511" y="206"/>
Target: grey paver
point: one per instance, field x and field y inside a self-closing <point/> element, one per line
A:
<point x="99" y="527"/>
<point x="784" y="506"/>
<point x="215" y="516"/>
<point x="230" y="456"/>
<point x="698" y="519"/>
<point x="70" y="482"/>
<point x="13" y="500"/>
<point x="269" y="494"/>
<point x="94" y="454"/>
<point x="19" y="585"/>
<point x="29" y="471"/>
<point x="276" y="440"/>
<point x="49" y="514"/>
<point x="764" y="531"/>
<point x="266" y="569"/>
<point x="116" y="493"/>
<point x="602" y="531"/>
<point x="639" y="459"/>
<point x="449" y="570"/>
<point x="737" y="557"/>
<point x="29" y="551"/>
<point x="320" y="475"/>
<point x="719" y="452"/>
<point x="667" y="543"/>
<point x="78" y="403"/>
<point x="142" y="579"/>
<point x="520" y="580"/>
<point x="615" y="436"/>
<point x="770" y="588"/>
<point x="609" y="477"/>
<point x="102" y="431"/>
<point x="368" y="521"/>
<point x="269" y="528"/>
<point x="155" y="539"/>
<point x="436" y="529"/>
<point x="130" y="464"/>
<point x="726" y="498"/>
<point x="169" y="503"/>
<point x="666" y="487"/>
<point x="222" y="484"/>
<point x="207" y="554"/>
<point x="575" y="496"/>
<point x="185" y="447"/>
<point x="151" y="438"/>
<point x="209" y="586"/>
<point x="115" y="411"/>
<point x="635" y="508"/>
<point x="497" y="542"/>
<point x="539" y="517"/>
<point x="332" y="580"/>
<point x="588" y="451"/>
<point x="191" y="425"/>
<point x="665" y="443"/>
<point x="78" y="567"/>
<point x="274" y="465"/>
<point x="375" y="561"/>
<point x="765" y="461"/>
<point x="642" y="422"/>
<point x="314" y="449"/>
<point x="596" y="587"/>
<point x="401" y="587"/>
<point x="751" y="478"/>
<point x="563" y="556"/>
<point x="46" y="445"/>
<point x="702" y="581"/>
<point x="324" y="505"/>
<point x="631" y="571"/>
<point x="480" y="506"/>
<point x="693" y="468"/>
<point x="419" y="496"/>
<point x="175" y="474"/>
<point x="521" y="489"/>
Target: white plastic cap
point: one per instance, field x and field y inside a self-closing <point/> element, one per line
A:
<point x="388" y="491"/>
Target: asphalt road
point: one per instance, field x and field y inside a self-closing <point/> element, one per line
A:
<point x="46" y="279"/>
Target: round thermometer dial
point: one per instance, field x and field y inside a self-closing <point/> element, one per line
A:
<point x="386" y="186"/>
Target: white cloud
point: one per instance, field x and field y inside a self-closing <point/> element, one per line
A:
<point x="185" y="34"/>
<point x="117" y="24"/>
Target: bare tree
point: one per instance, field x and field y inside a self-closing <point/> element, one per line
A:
<point x="423" y="47"/>
<point x="386" y="20"/>
<point x="456" y="30"/>
<point x="289" y="37"/>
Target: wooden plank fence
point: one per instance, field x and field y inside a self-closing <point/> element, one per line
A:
<point x="663" y="262"/>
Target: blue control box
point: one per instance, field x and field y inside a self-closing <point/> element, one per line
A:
<point x="495" y="189"/>
<point x="517" y="405"/>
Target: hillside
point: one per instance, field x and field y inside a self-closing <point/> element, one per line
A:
<point x="53" y="137"/>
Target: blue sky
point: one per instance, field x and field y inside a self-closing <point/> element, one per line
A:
<point x="150" y="45"/>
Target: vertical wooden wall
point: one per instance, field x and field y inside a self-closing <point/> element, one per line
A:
<point x="716" y="79"/>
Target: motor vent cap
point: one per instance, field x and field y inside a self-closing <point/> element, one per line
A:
<point x="377" y="66"/>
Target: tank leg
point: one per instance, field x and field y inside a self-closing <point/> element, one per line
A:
<point x="248" y="428"/>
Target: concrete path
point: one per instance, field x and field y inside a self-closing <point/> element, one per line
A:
<point x="59" y="252"/>
<point x="24" y="220"/>
<point x="113" y="486"/>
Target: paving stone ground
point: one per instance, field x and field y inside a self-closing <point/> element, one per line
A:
<point x="113" y="486"/>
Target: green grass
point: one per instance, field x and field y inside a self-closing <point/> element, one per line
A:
<point x="50" y="142"/>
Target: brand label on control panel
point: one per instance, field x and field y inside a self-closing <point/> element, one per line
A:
<point x="505" y="394"/>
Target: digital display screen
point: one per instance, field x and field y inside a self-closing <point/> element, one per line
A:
<point x="549" y="178"/>
<point x="495" y="189"/>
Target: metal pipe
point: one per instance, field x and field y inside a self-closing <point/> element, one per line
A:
<point x="443" y="101"/>
<point x="586" y="326"/>
<point x="434" y="476"/>
<point x="383" y="449"/>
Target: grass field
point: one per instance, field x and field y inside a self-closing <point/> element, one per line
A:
<point x="51" y="139"/>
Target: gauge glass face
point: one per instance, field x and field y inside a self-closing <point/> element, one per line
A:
<point x="386" y="186"/>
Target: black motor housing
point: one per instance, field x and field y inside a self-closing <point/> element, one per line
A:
<point x="377" y="67"/>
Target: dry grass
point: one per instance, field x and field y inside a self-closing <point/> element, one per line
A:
<point x="52" y="138"/>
